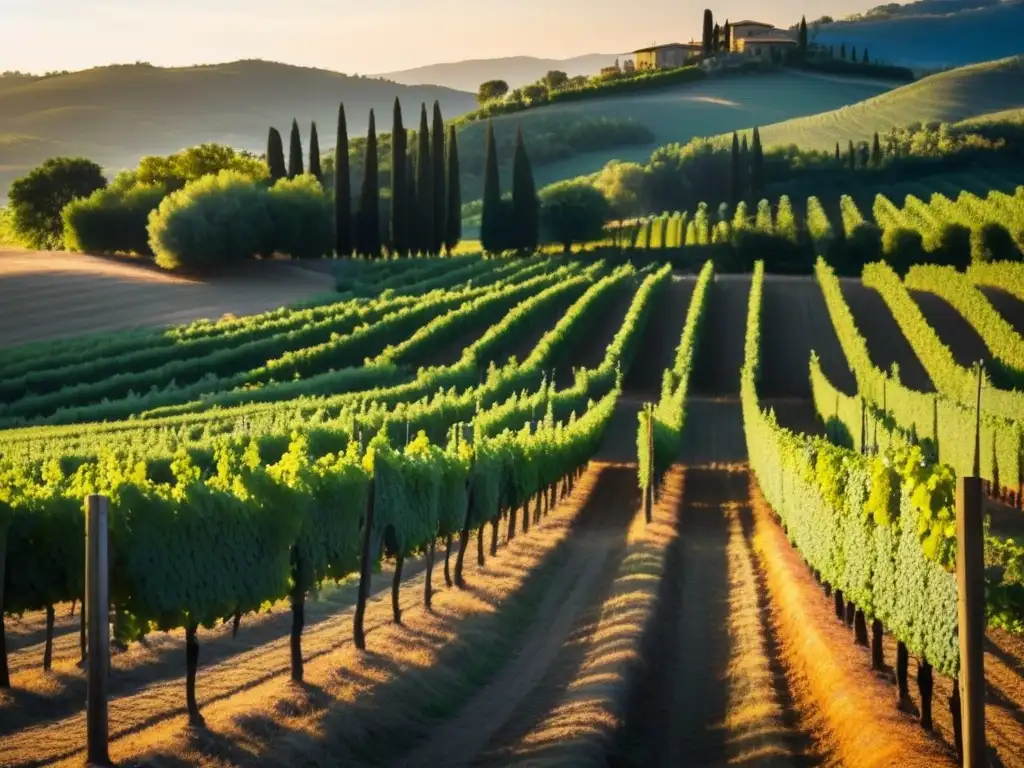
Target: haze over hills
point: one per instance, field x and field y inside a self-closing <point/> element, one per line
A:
<point x="115" y="115"/>
<point x="514" y="70"/>
<point x="933" y="34"/>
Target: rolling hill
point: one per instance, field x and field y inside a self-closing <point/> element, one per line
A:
<point x="114" y="115"/>
<point x="935" y="34"/>
<point x="967" y="93"/>
<point x="514" y="70"/>
<point x="679" y="114"/>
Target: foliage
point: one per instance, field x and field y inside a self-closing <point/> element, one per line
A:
<point x="112" y="220"/>
<point x="37" y="200"/>
<point x="175" y="171"/>
<point x="571" y="212"/>
<point x="300" y="218"/>
<point x="213" y="222"/>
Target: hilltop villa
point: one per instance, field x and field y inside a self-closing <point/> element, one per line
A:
<point x="667" y="55"/>
<point x="750" y="38"/>
<point x="755" y="38"/>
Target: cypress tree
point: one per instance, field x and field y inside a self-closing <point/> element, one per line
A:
<point x="853" y="54"/>
<point x="453" y="221"/>
<point x="314" y="154"/>
<point x="851" y="157"/>
<point x="412" y="231"/>
<point x="745" y="148"/>
<point x="727" y="37"/>
<point x="756" y="166"/>
<point x="424" y="187"/>
<point x="864" y="57"/>
<point x="295" y="152"/>
<point x="491" y="216"/>
<point x="342" y="190"/>
<point x="716" y="39"/>
<point x="709" y="31"/>
<point x="525" y="205"/>
<point x="842" y="51"/>
<point x="369" y="197"/>
<point x="839" y="157"/>
<point x="399" y="226"/>
<point x="876" y="152"/>
<point x="736" y="180"/>
<point x="437" y="156"/>
<point x="802" y="39"/>
<point x="275" y="156"/>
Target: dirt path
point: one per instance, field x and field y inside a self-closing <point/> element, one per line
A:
<point x="588" y="351"/>
<point x="507" y="708"/>
<point x="886" y="342"/>
<point x="1010" y="307"/>
<point x="720" y="355"/>
<point x="54" y="295"/>
<point x="661" y="338"/>
<point x="712" y="693"/>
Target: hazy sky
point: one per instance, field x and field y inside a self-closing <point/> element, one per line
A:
<point x="345" y="35"/>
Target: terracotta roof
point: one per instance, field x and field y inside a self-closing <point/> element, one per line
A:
<point x="749" y="23"/>
<point x="688" y="46"/>
<point x="770" y="39"/>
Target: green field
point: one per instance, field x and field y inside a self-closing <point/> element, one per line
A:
<point x="702" y="109"/>
<point x="960" y="94"/>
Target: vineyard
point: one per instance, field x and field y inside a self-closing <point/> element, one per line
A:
<point x="491" y="511"/>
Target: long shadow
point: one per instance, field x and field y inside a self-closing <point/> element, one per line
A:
<point x="800" y="744"/>
<point x="397" y="716"/>
<point x="168" y="663"/>
<point x="678" y="703"/>
<point x="660" y="339"/>
<point x="619" y="491"/>
<point x="1010" y="308"/>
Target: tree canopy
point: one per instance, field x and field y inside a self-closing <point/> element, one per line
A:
<point x="38" y="199"/>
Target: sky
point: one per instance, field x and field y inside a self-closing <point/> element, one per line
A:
<point x="346" y="35"/>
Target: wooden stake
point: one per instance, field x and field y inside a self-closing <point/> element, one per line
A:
<point x="970" y="576"/>
<point x="97" y="609"/>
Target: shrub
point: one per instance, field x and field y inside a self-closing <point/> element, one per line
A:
<point x="301" y="216"/>
<point x="215" y="221"/>
<point x="902" y="248"/>
<point x="112" y="220"/>
<point x="177" y="170"/>
<point x="38" y="199"/>
<point x="954" y="246"/>
<point x="863" y="246"/>
<point x="993" y="242"/>
<point x="573" y="212"/>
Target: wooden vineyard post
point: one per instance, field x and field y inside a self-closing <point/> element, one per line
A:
<point x="365" y="572"/>
<point x="97" y="608"/>
<point x="970" y="565"/>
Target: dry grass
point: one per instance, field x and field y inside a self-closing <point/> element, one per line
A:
<point x="851" y="710"/>
<point x="354" y="708"/>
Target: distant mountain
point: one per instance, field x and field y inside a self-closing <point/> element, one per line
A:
<point x="115" y="115"/>
<point x="932" y="34"/>
<point x="514" y="70"/>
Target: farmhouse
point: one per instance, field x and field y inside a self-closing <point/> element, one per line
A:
<point x="667" y="55"/>
<point x="760" y="40"/>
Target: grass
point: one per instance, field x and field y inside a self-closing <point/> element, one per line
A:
<point x="960" y="94"/>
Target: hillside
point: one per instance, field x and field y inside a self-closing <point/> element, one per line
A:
<point x="962" y="94"/>
<point x="114" y="115"/>
<point x="933" y="35"/>
<point x="679" y="114"/>
<point x="514" y="70"/>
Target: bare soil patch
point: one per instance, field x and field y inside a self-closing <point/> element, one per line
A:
<point x="885" y="341"/>
<point x="720" y="354"/>
<point x="52" y="295"/>
<point x="588" y="352"/>
<point x="661" y="338"/>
